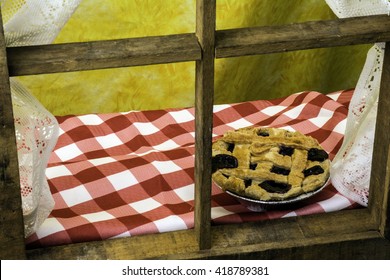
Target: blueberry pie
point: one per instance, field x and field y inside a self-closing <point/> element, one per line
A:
<point x="269" y="163"/>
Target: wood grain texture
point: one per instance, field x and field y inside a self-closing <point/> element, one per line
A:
<point x="11" y="217"/>
<point x="380" y="170"/>
<point x="102" y="54"/>
<point x="345" y="234"/>
<point x="301" y="36"/>
<point x="367" y="245"/>
<point x="204" y="97"/>
<point x="245" y="240"/>
<point x="184" y="47"/>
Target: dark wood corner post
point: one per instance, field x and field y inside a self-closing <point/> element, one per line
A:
<point x="11" y="217"/>
<point x="204" y="97"/>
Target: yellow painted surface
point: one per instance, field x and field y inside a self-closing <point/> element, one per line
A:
<point x="172" y="85"/>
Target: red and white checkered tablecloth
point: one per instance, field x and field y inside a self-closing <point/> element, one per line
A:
<point x="125" y="174"/>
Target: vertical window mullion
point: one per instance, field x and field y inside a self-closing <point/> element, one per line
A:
<point x="204" y="97"/>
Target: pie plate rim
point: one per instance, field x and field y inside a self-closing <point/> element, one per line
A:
<point x="258" y="205"/>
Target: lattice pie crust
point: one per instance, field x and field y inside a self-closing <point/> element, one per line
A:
<point x="269" y="163"/>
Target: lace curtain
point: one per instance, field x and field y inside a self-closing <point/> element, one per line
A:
<point x="357" y="8"/>
<point x="35" y="22"/>
<point x="36" y="134"/>
<point x="32" y="22"/>
<point x="350" y="170"/>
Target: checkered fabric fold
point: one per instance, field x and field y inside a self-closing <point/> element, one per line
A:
<point x="125" y="174"/>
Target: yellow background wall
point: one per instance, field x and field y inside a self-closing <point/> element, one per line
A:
<point x="172" y="85"/>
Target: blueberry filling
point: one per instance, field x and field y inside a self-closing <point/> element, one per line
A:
<point x="315" y="154"/>
<point x="315" y="170"/>
<point x="252" y="166"/>
<point x="230" y="147"/>
<point x="275" y="187"/>
<point x="286" y="151"/>
<point x="280" y="170"/>
<point x="223" y="161"/>
<point x="263" y="133"/>
<point x="247" y="183"/>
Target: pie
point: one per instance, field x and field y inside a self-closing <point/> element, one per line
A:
<point x="269" y="163"/>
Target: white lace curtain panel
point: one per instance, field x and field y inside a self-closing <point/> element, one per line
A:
<point x="349" y="172"/>
<point x="32" y="22"/>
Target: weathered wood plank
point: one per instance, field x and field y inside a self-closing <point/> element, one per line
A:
<point x="301" y="36"/>
<point x="284" y="238"/>
<point x="363" y="245"/>
<point x="367" y="245"/>
<point x="380" y="171"/>
<point x="235" y="240"/>
<point x="204" y="97"/>
<point x="102" y="54"/>
<point x="11" y="217"/>
<point x="183" y="47"/>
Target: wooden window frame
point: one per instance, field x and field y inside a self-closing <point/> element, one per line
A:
<point x="359" y="233"/>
